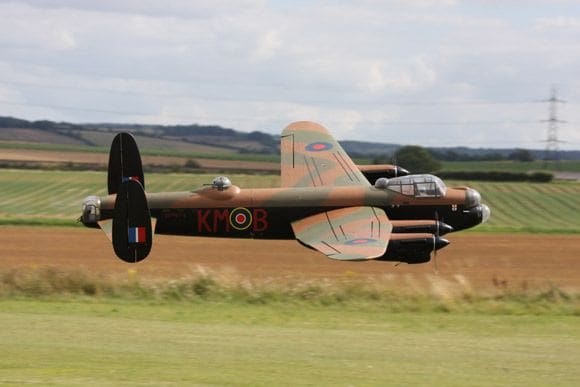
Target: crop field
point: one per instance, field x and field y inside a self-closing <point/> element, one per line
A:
<point x="168" y="148"/>
<point x="530" y="207"/>
<point x="53" y="197"/>
<point x="513" y="166"/>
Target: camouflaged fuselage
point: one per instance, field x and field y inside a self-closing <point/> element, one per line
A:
<point x="268" y="212"/>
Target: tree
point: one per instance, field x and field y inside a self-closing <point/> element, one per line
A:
<point x="521" y="155"/>
<point x="416" y="159"/>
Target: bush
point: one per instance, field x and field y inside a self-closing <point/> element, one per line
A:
<point x="416" y="159"/>
<point x="536" y="177"/>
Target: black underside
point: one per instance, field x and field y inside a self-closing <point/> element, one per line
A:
<point x="275" y="223"/>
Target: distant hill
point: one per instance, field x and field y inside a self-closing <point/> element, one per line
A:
<point x="209" y="139"/>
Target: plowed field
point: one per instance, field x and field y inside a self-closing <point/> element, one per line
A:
<point x="479" y="261"/>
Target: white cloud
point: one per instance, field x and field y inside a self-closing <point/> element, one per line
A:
<point x="174" y="8"/>
<point x="267" y="45"/>
<point x="559" y="22"/>
<point x="257" y="65"/>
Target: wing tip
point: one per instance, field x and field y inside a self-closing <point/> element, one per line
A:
<point x="304" y="126"/>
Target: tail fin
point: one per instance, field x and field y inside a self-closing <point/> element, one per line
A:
<point x="124" y="162"/>
<point x="132" y="232"/>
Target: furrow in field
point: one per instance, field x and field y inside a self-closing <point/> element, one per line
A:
<point x="567" y="199"/>
<point x="555" y="203"/>
<point x="500" y="212"/>
<point x="34" y="201"/>
<point x="523" y="203"/>
<point x="504" y="209"/>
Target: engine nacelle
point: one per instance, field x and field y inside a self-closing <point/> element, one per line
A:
<point x="420" y="226"/>
<point x="412" y="248"/>
<point x="374" y="172"/>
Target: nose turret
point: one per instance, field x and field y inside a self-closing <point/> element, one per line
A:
<point x="485" y="213"/>
<point x="472" y="198"/>
<point x="474" y="206"/>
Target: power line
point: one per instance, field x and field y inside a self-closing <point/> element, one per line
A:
<point x="552" y="142"/>
<point x="257" y="118"/>
<point x="436" y="103"/>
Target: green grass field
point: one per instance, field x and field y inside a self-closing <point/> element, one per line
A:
<point x="54" y="197"/>
<point x="71" y="327"/>
<point x="115" y="342"/>
<point x="512" y="166"/>
<point x="530" y="207"/>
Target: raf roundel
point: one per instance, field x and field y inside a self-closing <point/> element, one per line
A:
<point x="360" y="241"/>
<point x="240" y="218"/>
<point x="318" y="146"/>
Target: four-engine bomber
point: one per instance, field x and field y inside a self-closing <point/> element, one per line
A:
<point x="326" y="202"/>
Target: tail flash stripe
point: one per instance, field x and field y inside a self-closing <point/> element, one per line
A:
<point x="137" y="235"/>
<point x="142" y="235"/>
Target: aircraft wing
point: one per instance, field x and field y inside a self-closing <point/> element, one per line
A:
<point x="353" y="233"/>
<point x="311" y="157"/>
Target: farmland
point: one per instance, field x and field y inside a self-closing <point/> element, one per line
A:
<point x="54" y="197"/>
<point x="513" y="166"/>
<point x="181" y="152"/>
<point x="184" y="151"/>
<point x="503" y="308"/>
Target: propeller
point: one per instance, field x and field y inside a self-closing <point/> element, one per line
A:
<point x="437" y="233"/>
<point x="438" y="242"/>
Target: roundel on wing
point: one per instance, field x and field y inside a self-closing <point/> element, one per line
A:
<point x="240" y="218"/>
<point x="318" y="146"/>
<point x="360" y="241"/>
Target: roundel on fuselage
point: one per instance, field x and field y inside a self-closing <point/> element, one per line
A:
<point x="240" y="218"/>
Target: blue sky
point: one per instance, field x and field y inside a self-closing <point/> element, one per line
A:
<point x="437" y="73"/>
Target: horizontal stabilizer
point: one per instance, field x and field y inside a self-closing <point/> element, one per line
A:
<point x="132" y="230"/>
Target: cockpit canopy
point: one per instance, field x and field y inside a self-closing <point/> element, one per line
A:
<point x="419" y="186"/>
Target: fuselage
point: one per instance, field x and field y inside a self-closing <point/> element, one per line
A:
<point x="268" y="212"/>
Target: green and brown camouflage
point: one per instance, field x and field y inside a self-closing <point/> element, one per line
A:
<point x="325" y="202"/>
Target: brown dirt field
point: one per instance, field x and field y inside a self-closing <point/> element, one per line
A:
<point x="39" y="136"/>
<point x="478" y="261"/>
<point x="39" y="156"/>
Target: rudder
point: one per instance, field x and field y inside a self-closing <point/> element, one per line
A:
<point x="132" y="231"/>
<point x="124" y="162"/>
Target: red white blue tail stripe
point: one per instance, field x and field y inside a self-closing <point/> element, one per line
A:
<point x="137" y="235"/>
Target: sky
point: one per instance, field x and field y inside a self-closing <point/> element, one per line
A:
<point x="426" y="72"/>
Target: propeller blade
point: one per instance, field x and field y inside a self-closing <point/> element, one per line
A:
<point x="435" y="266"/>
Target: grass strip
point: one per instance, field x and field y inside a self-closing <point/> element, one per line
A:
<point x="120" y="342"/>
<point x="439" y="295"/>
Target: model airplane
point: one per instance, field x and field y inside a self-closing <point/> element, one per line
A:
<point x="326" y="202"/>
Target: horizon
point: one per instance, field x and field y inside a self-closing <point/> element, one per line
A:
<point x="483" y="148"/>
